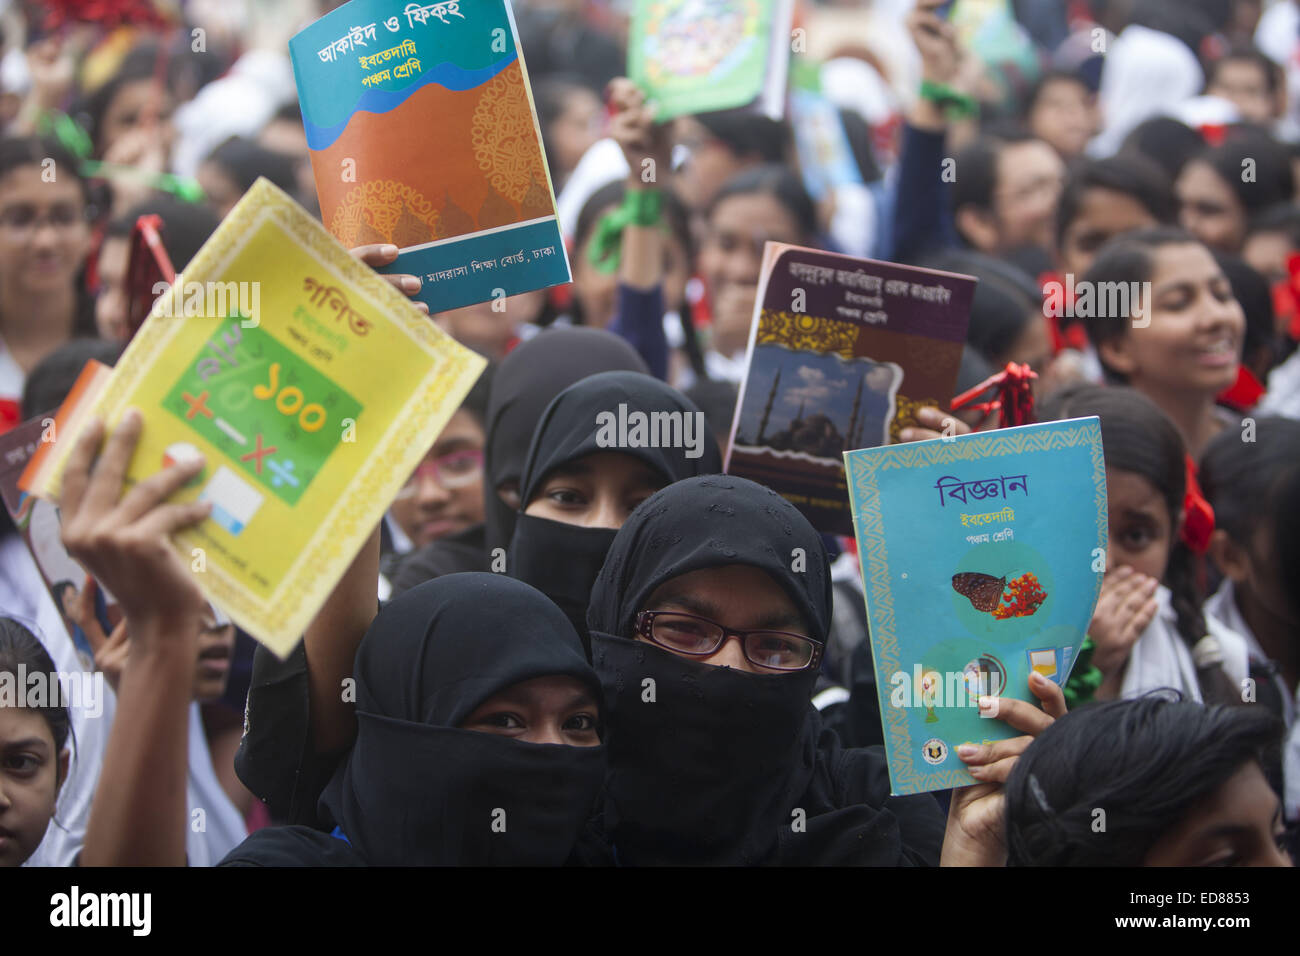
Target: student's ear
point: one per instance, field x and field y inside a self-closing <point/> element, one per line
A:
<point x="64" y="758"/>
<point x="1116" y="353"/>
<point x="977" y="227"/>
<point x="1229" y="557"/>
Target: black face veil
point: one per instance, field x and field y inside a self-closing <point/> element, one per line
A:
<point x="526" y="381"/>
<point x="562" y="560"/>
<point x="416" y="789"/>
<point x="716" y="765"/>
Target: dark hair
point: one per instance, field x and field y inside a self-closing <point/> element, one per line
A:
<point x="611" y="194"/>
<point x="779" y="183"/>
<point x="20" y="648"/>
<point x="1047" y="79"/>
<point x="1242" y="480"/>
<point x="1253" y="294"/>
<point x="1165" y="141"/>
<point x="748" y="135"/>
<point x="1286" y="539"/>
<point x="1128" y="258"/>
<point x="1283" y="217"/>
<point x="243" y="160"/>
<point x="289" y="112"/>
<point x="1138" y="437"/>
<point x="1134" y="176"/>
<point x="1247" y="53"/>
<point x="551" y="95"/>
<point x="977" y="165"/>
<point x="1146" y="763"/>
<point x="1004" y="300"/>
<point x="139" y="64"/>
<point x="186" y="226"/>
<point x="52" y="379"/>
<point x="1273" y="181"/>
<point x="17" y="152"/>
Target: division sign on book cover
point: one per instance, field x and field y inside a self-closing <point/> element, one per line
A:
<point x="982" y="558"/>
<point x="423" y="134"/>
<point x="311" y="412"/>
<point x="842" y="354"/>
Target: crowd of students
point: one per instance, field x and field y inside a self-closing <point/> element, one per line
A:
<point x="552" y="652"/>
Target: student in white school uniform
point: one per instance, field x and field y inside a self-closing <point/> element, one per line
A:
<point x="1250" y="486"/>
<point x="1148" y="628"/>
<point x="216" y="826"/>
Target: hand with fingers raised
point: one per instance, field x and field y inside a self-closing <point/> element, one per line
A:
<point x="122" y="539"/>
<point x="109" y="650"/>
<point x="1125" y="607"/>
<point x="976" y="834"/>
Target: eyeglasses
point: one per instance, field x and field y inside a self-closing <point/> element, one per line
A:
<point x="700" y="637"/>
<point x="454" y="470"/>
<point x="24" y="220"/>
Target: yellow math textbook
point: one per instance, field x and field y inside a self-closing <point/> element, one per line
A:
<point x="311" y="386"/>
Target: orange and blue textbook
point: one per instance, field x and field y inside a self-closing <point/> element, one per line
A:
<point x="309" y="384"/>
<point x="423" y="134"/>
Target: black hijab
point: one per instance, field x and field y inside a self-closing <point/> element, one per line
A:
<point x="727" y="766"/>
<point x="525" y="381"/>
<point x="418" y="790"/>
<point x="562" y="560"/>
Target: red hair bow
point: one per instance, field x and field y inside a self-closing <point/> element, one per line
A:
<point x="1015" y="397"/>
<point x="1198" y="516"/>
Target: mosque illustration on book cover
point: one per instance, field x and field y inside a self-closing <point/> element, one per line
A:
<point x="843" y="352"/>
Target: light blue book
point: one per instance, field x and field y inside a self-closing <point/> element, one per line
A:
<point x="982" y="558"/>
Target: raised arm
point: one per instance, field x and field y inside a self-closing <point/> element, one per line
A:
<point x="648" y="152"/>
<point x="139" y="813"/>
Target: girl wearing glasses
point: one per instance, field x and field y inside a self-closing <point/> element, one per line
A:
<point x="44" y="240"/>
<point x="707" y="625"/>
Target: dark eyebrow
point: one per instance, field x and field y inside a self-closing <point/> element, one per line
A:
<point x="777" y="620"/>
<point x="688" y="603"/>
<point x="452" y="444"/>
<point x="27" y="743"/>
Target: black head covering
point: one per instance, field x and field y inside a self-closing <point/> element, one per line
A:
<point x="415" y="789"/>
<point x="717" y="766"/>
<point x="526" y="380"/>
<point x="562" y="560"/>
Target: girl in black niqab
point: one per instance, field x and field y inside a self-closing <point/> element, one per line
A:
<point x="416" y="788"/>
<point x="522" y="386"/>
<point x="724" y="766"/>
<point x="560" y="557"/>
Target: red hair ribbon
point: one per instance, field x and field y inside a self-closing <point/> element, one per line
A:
<point x="1015" y="397"/>
<point x="1288" y="291"/>
<point x="1198" y="516"/>
<point x="1245" y="393"/>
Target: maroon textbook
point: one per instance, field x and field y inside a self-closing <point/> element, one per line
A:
<point x="842" y="353"/>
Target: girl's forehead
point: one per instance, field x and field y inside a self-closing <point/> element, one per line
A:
<point x="21" y="726"/>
